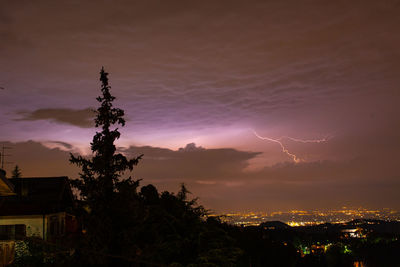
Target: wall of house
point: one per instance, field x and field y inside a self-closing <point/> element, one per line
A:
<point x="48" y="227"/>
<point x="34" y="223"/>
<point x="52" y="225"/>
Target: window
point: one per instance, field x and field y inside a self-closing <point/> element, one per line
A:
<point x="12" y="232"/>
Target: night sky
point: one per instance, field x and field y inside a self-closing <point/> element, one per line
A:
<point x="201" y="82"/>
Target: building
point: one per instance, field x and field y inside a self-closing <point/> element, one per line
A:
<point x="39" y="207"/>
<point x="34" y="207"/>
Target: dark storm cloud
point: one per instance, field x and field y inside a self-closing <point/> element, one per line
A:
<point x="221" y="179"/>
<point x="190" y="163"/>
<point x="80" y="118"/>
<point x="222" y="165"/>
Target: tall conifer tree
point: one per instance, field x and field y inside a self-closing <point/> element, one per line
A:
<point x="102" y="188"/>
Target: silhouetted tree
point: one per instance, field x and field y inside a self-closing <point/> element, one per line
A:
<point x="101" y="174"/>
<point x="105" y="195"/>
<point x="16" y="173"/>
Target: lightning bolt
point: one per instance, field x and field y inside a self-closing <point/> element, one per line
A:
<point x="295" y="158"/>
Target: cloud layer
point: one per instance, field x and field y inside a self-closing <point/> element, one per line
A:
<point x="211" y="72"/>
<point x="222" y="181"/>
<point x="283" y="68"/>
<point x="80" y="118"/>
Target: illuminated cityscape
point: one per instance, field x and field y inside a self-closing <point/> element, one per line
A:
<point x="312" y="217"/>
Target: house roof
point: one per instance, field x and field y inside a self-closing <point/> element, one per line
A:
<point x="6" y="189"/>
<point x="37" y="195"/>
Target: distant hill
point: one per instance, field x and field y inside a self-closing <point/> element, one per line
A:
<point x="272" y="225"/>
